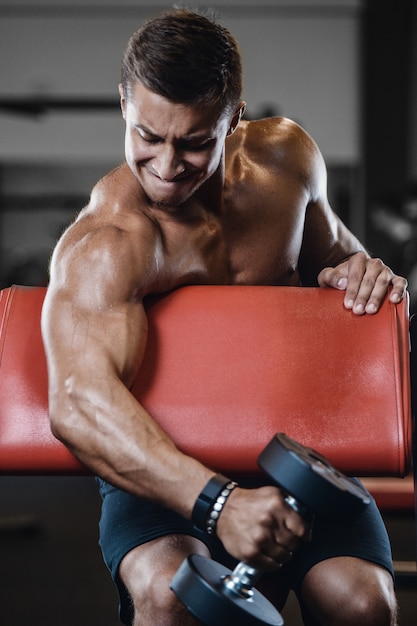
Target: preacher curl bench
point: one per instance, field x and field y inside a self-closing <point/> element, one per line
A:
<point x="225" y="369"/>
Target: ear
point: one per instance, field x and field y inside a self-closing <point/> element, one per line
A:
<point x="122" y="101"/>
<point x="237" y="116"/>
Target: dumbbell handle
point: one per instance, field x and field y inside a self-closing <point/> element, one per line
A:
<point x="244" y="577"/>
<point x="241" y="581"/>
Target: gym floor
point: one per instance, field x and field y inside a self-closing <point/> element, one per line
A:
<point x="52" y="573"/>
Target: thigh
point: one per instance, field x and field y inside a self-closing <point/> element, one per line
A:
<point x="127" y="522"/>
<point x="364" y="537"/>
<point x="145" y="574"/>
<point x="345" y="561"/>
<point x="140" y="528"/>
<point x="160" y="555"/>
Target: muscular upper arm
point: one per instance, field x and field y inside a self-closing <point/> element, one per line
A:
<point x="93" y="322"/>
<point x="326" y="239"/>
<point x="299" y="177"/>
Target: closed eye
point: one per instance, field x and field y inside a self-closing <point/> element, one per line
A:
<point x="185" y="145"/>
<point x="195" y="147"/>
<point x="146" y="136"/>
<point x="150" y="139"/>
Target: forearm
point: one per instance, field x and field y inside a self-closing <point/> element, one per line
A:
<point x="120" y="442"/>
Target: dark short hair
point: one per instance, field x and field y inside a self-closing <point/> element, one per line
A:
<point x="187" y="58"/>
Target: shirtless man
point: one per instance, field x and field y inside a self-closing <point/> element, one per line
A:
<point x="203" y="198"/>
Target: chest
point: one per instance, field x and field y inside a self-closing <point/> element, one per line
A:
<point x="255" y="239"/>
<point x="263" y="225"/>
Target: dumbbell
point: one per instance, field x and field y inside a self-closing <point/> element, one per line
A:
<point x="218" y="596"/>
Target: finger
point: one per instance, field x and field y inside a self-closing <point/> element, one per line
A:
<point x="333" y="277"/>
<point x="266" y="563"/>
<point x="346" y="273"/>
<point x="277" y="553"/>
<point x="302" y="531"/>
<point x="271" y="557"/>
<point x="361" y="280"/>
<point x="287" y="538"/>
<point x="281" y="553"/>
<point x="397" y="293"/>
<point x="399" y="289"/>
<point x="374" y="287"/>
<point x="277" y="544"/>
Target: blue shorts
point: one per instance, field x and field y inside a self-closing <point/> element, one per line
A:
<point x="128" y="522"/>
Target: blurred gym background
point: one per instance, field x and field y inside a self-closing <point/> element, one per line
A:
<point x="346" y="70"/>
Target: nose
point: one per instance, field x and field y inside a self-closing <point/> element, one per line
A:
<point x="167" y="164"/>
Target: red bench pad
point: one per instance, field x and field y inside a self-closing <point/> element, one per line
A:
<point x="392" y="494"/>
<point x="227" y="367"/>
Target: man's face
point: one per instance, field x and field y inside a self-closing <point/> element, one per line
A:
<point x="171" y="148"/>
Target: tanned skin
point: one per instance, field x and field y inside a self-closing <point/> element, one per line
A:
<point x="201" y="199"/>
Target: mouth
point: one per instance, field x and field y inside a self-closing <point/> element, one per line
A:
<point x="171" y="192"/>
<point x="178" y="178"/>
<point x="172" y="185"/>
<point x="166" y="187"/>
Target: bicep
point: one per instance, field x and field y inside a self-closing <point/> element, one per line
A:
<point x="87" y="343"/>
<point x="93" y="319"/>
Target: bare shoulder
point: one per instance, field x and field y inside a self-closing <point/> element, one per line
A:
<point x="282" y="144"/>
<point x="282" y="137"/>
<point x="118" y="188"/>
<point x="112" y="243"/>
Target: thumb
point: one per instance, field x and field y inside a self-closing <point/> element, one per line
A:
<point x="333" y="277"/>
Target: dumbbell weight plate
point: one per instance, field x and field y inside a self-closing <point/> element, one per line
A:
<point x="198" y="584"/>
<point x="312" y="480"/>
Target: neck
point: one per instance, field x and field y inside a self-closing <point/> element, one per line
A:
<point x="210" y="193"/>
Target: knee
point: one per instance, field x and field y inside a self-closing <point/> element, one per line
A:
<point x="354" y="595"/>
<point x="362" y="606"/>
<point x="372" y="605"/>
<point x="152" y="596"/>
<point x="148" y="585"/>
<point x="153" y="602"/>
